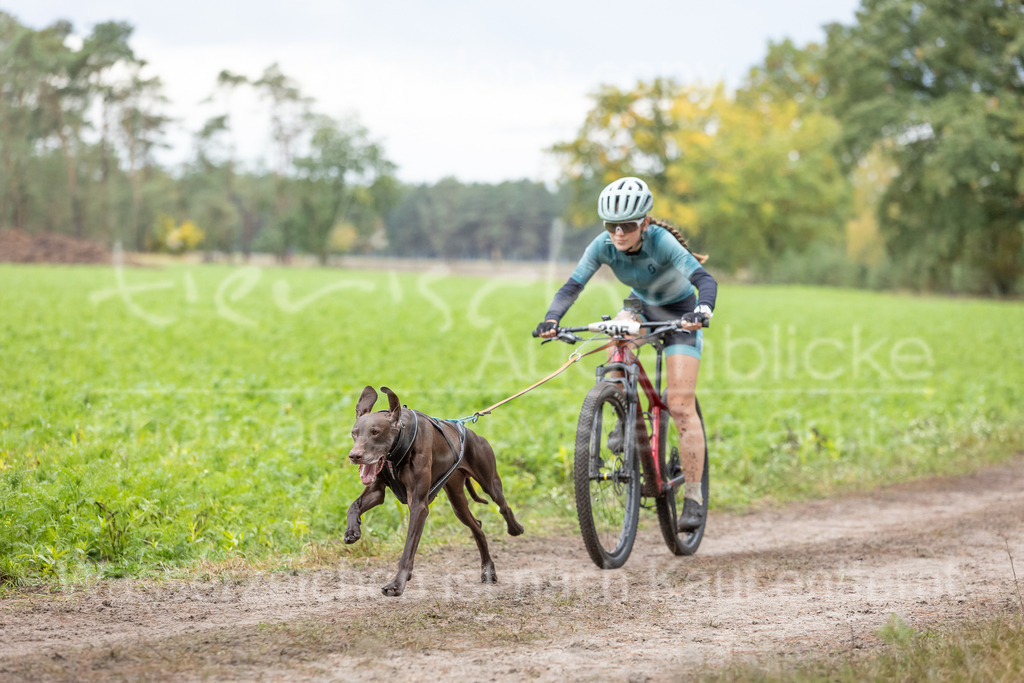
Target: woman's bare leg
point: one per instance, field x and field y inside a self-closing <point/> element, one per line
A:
<point x="682" y="403"/>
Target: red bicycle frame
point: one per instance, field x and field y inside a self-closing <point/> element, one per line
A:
<point x="623" y="356"/>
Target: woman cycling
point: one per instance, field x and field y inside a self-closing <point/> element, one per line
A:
<point x="652" y="257"/>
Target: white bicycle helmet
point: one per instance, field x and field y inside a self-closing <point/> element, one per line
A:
<point x="626" y="199"/>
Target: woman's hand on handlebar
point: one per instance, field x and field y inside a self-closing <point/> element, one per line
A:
<point x="690" y="325"/>
<point x="547" y="329"/>
<point x="696" y="319"/>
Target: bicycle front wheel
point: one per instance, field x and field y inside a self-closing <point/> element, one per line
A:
<point x="607" y="477"/>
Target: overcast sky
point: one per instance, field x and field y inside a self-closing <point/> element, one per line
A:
<point x="449" y="87"/>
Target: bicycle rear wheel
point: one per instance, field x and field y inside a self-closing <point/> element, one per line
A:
<point x="607" y="483"/>
<point x="679" y="542"/>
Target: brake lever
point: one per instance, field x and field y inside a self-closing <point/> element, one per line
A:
<point x="567" y="337"/>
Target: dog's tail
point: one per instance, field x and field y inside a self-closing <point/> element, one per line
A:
<point x="472" y="492"/>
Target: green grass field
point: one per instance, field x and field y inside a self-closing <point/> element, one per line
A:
<point x="158" y="420"/>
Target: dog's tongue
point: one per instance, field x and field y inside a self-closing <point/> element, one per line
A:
<point x="368" y="473"/>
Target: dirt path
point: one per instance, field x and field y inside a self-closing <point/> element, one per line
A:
<point x="809" y="578"/>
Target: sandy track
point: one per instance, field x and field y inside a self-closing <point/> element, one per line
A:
<point x="805" y="579"/>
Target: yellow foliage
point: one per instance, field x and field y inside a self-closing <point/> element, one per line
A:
<point x="178" y="237"/>
<point x="749" y="177"/>
<point x="687" y="217"/>
<point x="342" y="238"/>
<point x="870" y="180"/>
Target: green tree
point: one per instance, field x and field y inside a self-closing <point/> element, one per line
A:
<point x="334" y="180"/>
<point x="21" y="75"/>
<point x="289" y="117"/>
<point x="139" y="102"/>
<point x="208" y="187"/>
<point x="63" y="98"/>
<point x="231" y="221"/>
<point x="941" y="84"/>
<point x="453" y="220"/>
<point x="205" y="192"/>
<point x="787" y="73"/>
<point x="71" y="79"/>
<point x="750" y="178"/>
<point x="105" y="48"/>
<point x="626" y="132"/>
<point x="762" y="179"/>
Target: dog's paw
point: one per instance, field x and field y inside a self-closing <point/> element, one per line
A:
<point x="513" y="525"/>
<point x="352" y="535"/>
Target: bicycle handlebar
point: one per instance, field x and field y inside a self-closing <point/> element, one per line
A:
<point x="610" y="327"/>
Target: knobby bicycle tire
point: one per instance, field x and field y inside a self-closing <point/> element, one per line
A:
<point x="679" y="542"/>
<point x="607" y="484"/>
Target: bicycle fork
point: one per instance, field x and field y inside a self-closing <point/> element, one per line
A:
<point x="628" y="380"/>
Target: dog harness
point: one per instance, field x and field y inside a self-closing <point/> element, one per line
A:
<point x="402" y="444"/>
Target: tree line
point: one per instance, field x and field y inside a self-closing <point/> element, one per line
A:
<point x="80" y="125"/>
<point x="890" y="155"/>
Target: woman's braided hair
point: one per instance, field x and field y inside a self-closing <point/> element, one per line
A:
<point x="701" y="258"/>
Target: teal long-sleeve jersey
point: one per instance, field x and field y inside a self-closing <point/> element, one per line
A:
<point x="663" y="271"/>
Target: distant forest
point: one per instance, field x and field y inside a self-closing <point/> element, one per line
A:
<point x="889" y="156"/>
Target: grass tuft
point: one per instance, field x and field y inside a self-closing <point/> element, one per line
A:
<point x="985" y="651"/>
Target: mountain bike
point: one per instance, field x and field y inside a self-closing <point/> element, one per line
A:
<point x="616" y="463"/>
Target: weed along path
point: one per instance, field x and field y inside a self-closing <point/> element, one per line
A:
<point x="803" y="580"/>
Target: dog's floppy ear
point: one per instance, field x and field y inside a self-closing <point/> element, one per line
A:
<point x="366" y="401"/>
<point x="394" y="406"/>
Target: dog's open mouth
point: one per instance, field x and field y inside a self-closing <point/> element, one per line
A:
<point x="368" y="473"/>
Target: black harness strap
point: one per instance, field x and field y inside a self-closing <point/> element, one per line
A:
<point x="400" y="448"/>
<point x="402" y="444"/>
<point x="460" y="429"/>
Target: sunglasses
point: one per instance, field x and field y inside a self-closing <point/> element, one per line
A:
<point x="626" y="228"/>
